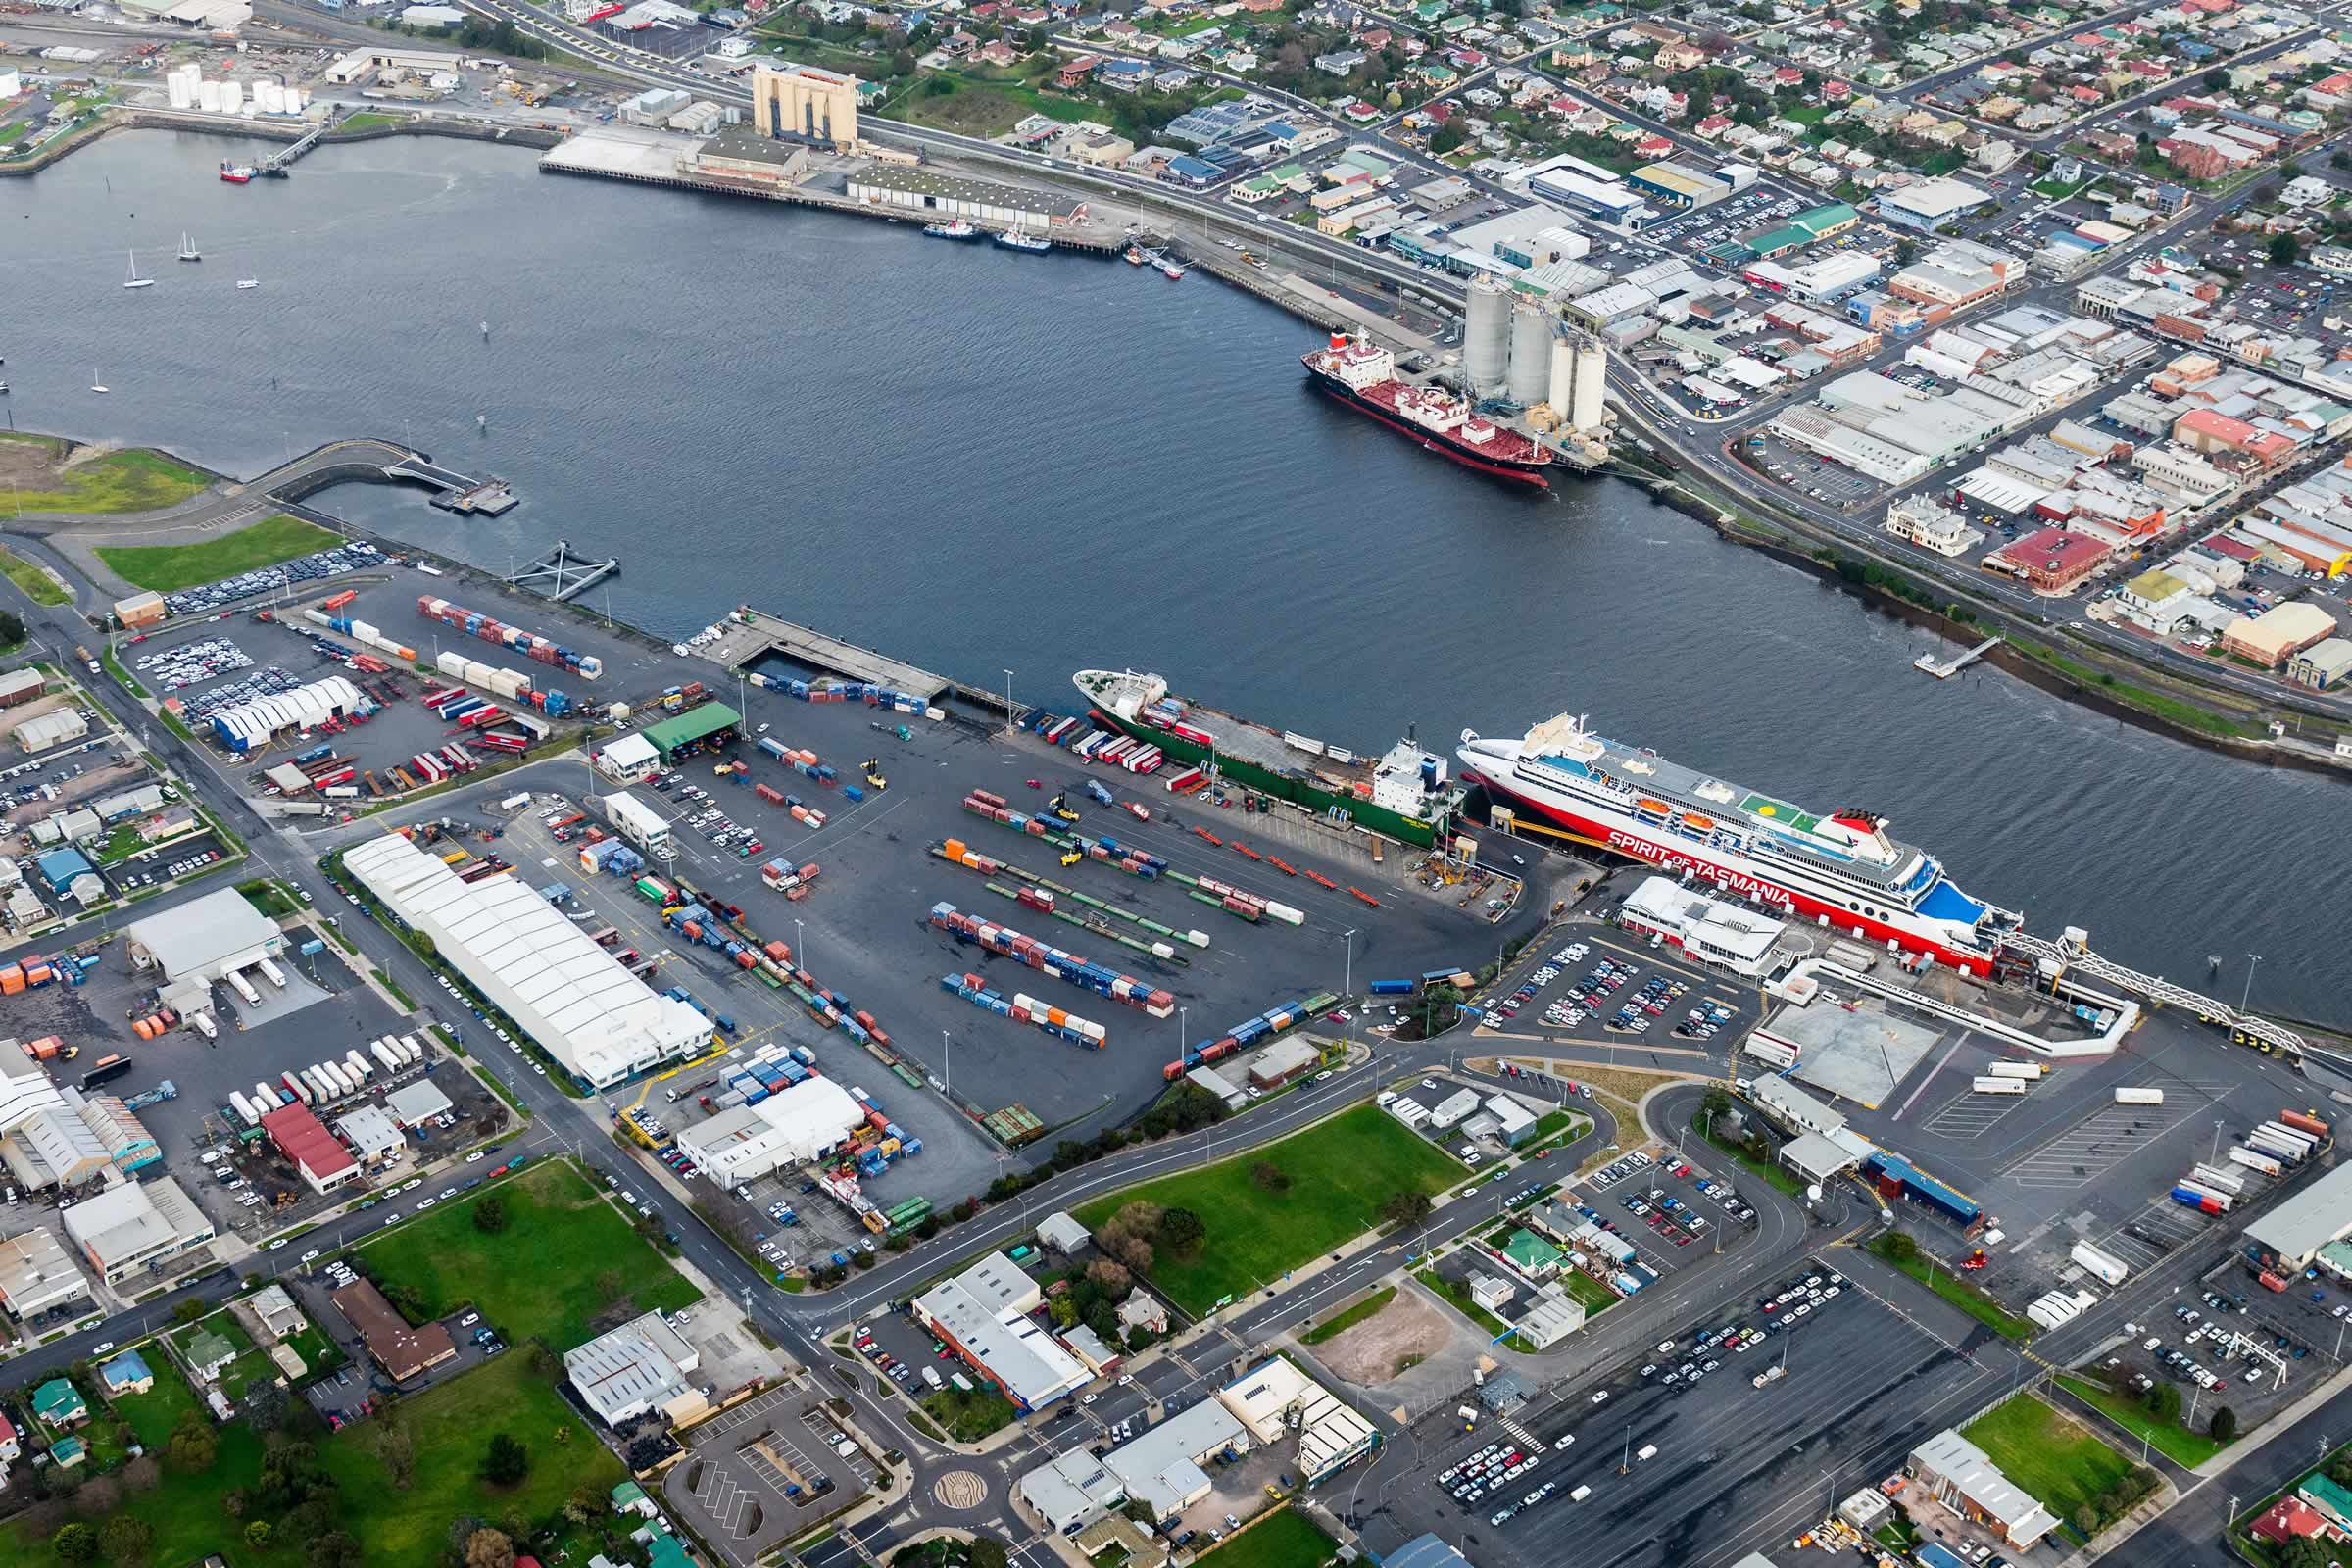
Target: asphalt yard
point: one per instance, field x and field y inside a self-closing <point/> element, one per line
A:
<point x="761" y="1475"/>
<point x="1702" y="1472"/>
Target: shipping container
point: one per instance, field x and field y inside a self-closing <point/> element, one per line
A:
<point x="2304" y="1122"/>
<point x="1769" y="1050"/>
<point x="1996" y="1086"/>
<point x="2212" y="1176"/>
<point x="2253" y="1159"/>
<point x="2103" y="1266"/>
<point x="2139" y="1097"/>
<point x="2029" y="1071"/>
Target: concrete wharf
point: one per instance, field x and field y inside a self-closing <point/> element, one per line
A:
<point x="1947" y="668"/>
<point x="758" y="634"/>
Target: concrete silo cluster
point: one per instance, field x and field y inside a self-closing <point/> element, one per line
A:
<point x="1514" y="348"/>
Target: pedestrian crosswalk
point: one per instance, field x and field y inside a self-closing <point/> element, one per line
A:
<point x="1528" y="1440"/>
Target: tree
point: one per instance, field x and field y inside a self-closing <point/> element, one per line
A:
<point x="143" y="1474"/>
<point x="257" y="1535"/>
<point x="507" y="1462"/>
<point x="490" y="1214"/>
<point x="2163" y="1401"/>
<point x="1714" y="1102"/>
<point x="2307" y="1552"/>
<point x="75" y="1543"/>
<point x="1448" y="137"/>
<point x="397" y="1452"/>
<point x="2284" y="250"/>
<point x="12" y="628"/>
<point x="334" y="1549"/>
<point x="1182" y="1231"/>
<point x="1269" y="1177"/>
<point x="127" y="1540"/>
<point x="2223" y="1425"/>
<point x="986" y="1552"/>
<point x="1405" y="1210"/>
<point x="489" y="1548"/>
<point x="1063" y="1310"/>
<point x="1113" y="1278"/>
<point x="1901" y="1245"/>
<point x="191" y="1448"/>
<point x="189" y="1310"/>
<point x="581" y="1506"/>
<point x="2087" y="1521"/>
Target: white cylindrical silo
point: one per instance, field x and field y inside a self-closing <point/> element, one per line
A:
<point x="1592" y="373"/>
<point x="181" y="87"/>
<point x="1531" y="353"/>
<point x="233" y="97"/>
<point x="1487" y="339"/>
<point x="1560" y="389"/>
<point x="270" y="97"/>
<point x="208" y="97"/>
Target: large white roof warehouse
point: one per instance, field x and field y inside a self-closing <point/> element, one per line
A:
<point x="600" y="1021"/>
<point x="205" y="938"/>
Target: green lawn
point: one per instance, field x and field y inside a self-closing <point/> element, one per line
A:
<point x="450" y="1429"/>
<point x="1457" y="1296"/>
<point x="1340" y="1322"/>
<point x="38" y="585"/>
<point x="1940" y="1278"/>
<point x="1780" y="1176"/>
<point x="152" y="1415"/>
<point x="183" y="1509"/>
<point x="120" y="481"/>
<point x="547" y="1274"/>
<point x="1596" y="1296"/>
<point x="370" y="120"/>
<point x="969" y="1417"/>
<point x="1341" y="1172"/>
<point x="2169" y="1438"/>
<point x="166" y="567"/>
<point x="981" y="107"/>
<point x="2050" y="1457"/>
<point x="1285" y="1538"/>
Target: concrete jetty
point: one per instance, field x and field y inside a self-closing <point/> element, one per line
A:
<point x="753" y="634"/>
<point x="1947" y="668"/>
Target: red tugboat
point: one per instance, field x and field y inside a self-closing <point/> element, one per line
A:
<point x="235" y="173"/>
<point x="1364" y="375"/>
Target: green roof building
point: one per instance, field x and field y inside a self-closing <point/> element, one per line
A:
<point x="664" y="1551"/>
<point x="695" y="724"/>
<point x="1532" y="1255"/>
<point x="58" y="1404"/>
<point x="67" y="1453"/>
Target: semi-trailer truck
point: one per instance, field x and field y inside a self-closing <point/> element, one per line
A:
<point x="271" y="974"/>
<point x="244" y="987"/>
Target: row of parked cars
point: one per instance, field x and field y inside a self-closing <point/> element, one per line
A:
<point x="358" y="556"/>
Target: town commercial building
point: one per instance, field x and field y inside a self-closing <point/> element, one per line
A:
<point x="1724" y="935"/>
<point x="138" y="1225"/>
<point x="1930" y="202"/>
<point x="316" y="1153"/>
<point x="2324" y="665"/>
<point x="38" y="1273"/>
<point x="930" y="194"/>
<point x="983" y="1316"/>
<point x="206" y="939"/>
<point x="2309" y="1218"/>
<point x="2052" y="561"/>
<point x="804" y="104"/>
<point x="599" y="1023"/>
<point x="1161" y="1469"/>
<point x="628" y="760"/>
<point x="1275" y="1396"/>
<point x="2278" y="634"/>
<point x="639" y="1368"/>
<point x="1962" y="1478"/>
<point x="402" y="1351"/>
<point x="790" y="1127"/>
<point x="1072" y="1491"/>
<point x="45" y="730"/>
<point x="1678" y="186"/>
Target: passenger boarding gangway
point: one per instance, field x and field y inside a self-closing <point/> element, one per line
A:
<point x="2073" y="951"/>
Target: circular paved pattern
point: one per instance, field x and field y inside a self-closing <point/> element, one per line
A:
<point x="960" y="1489"/>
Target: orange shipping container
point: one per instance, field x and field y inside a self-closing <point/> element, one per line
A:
<point x="781" y="951"/>
<point x="12" y="979"/>
<point x="954" y="848"/>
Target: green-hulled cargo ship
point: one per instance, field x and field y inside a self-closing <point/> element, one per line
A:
<point x="1407" y="793"/>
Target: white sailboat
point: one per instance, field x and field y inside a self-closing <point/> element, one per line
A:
<point x="187" y="249"/>
<point x="95" y="384"/>
<point x="135" y="280"/>
<point x="249" y="282"/>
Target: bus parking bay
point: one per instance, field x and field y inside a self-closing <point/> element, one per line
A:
<point x="1679" y="1471"/>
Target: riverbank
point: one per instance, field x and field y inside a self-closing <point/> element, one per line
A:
<point x="2129" y="691"/>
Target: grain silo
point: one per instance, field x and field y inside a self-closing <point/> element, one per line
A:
<point x="1531" y="353"/>
<point x="1592" y="373"/>
<point x="1560" y="388"/>
<point x="1487" y="339"/>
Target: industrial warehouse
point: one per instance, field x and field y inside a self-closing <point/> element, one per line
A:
<point x="571" y="996"/>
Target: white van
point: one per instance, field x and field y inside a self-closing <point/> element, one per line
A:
<point x="1647" y="1450"/>
<point x="1580" y="1494"/>
<point x="932" y="1376"/>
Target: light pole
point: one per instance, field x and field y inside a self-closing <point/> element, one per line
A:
<point x="1007" y="702"/>
<point x="948" y="1051"/>
<point x="2247" y="996"/>
<point x="2217" y="1143"/>
<point x="799" y="946"/>
<point x="1347" y="985"/>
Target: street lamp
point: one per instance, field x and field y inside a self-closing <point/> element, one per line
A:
<point x="1348" y="986"/>
<point x="1007" y="702"/>
<point x="1183" y="1018"/>
<point x="800" y="944"/>
<point x="2216" y="1144"/>
<point x="948" y="1051"/>
<point x="2247" y="996"/>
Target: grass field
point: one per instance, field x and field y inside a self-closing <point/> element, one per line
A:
<point x="38" y="585"/>
<point x="980" y="107"/>
<point x="2168" y="1438"/>
<point x="1285" y="1538"/>
<point x="2049" y="1456"/>
<point x="166" y="567"/>
<point x="566" y="1267"/>
<point x="1341" y="1172"/>
<point x="449" y="1428"/>
<point x="183" y="1509"/>
<point x="1457" y="1296"/>
<point x="370" y="120"/>
<point x="118" y="481"/>
<point x="1595" y="1297"/>
<point x="1340" y="1322"/>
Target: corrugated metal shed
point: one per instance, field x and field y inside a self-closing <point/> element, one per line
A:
<point x="693" y="725"/>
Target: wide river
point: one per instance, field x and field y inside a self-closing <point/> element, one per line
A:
<point x="980" y="460"/>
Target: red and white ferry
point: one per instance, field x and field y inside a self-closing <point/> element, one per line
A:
<point x="1842" y="865"/>
<point x="1364" y="377"/>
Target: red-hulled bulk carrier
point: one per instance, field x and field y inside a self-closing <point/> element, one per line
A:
<point x="1364" y="375"/>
